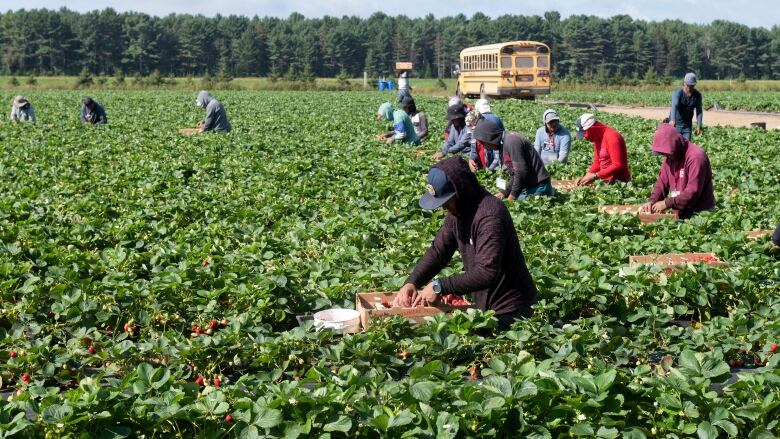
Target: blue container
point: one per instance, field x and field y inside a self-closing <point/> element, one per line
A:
<point x="390" y="85"/>
<point x="382" y="85"/>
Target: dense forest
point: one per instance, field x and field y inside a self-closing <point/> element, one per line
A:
<point x="105" y="42"/>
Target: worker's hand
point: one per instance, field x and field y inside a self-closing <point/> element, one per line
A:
<point x="200" y="123"/>
<point x="673" y="122"/>
<point x="403" y="299"/>
<point x="698" y="131"/>
<point x="473" y="165"/>
<point x="499" y="195"/>
<point x="586" y="179"/>
<point x="389" y="140"/>
<point x="426" y="296"/>
<point x="646" y="208"/>
<point x="437" y="156"/>
<point x="511" y="198"/>
<point x="658" y="207"/>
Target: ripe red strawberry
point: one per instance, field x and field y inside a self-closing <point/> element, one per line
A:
<point x="91" y="350"/>
<point x="26" y="378"/>
<point x="194" y="327"/>
<point x="217" y="382"/>
<point x="773" y="348"/>
<point x="214" y="324"/>
<point x="200" y="381"/>
<point x="740" y="362"/>
<point x="228" y="419"/>
<point x="732" y="362"/>
<point x="130" y="328"/>
<point x="13" y="354"/>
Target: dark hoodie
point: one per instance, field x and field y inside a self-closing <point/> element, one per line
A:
<point x="524" y="164"/>
<point x="686" y="170"/>
<point x="482" y="231"/>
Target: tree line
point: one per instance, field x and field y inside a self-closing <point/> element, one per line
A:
<point x="105" y="42"/>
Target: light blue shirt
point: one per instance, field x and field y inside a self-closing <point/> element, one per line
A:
<point x="553" y="148"/>
<point x="23" y="114"/>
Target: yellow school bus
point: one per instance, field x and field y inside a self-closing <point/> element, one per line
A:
<point x="516" y="69"/>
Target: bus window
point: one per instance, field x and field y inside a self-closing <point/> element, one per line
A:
<point x="524" y="62"/>
<point x="506" y="62"/>
<point x="542" y="61"/>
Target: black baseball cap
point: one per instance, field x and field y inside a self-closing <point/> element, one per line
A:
<point x="456" y="111"/>
<point x="439" y="190"/>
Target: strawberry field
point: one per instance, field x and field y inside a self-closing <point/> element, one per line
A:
<point x="150" y="283"/>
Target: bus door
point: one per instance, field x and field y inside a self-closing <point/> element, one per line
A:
<point x="524" y="69"/>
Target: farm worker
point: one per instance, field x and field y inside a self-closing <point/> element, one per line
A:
<point x="459" y="137"/>
<point x="552" y="139"/>
<point x="455" y="100"/>
<point x="480" y="228"/>
<point x="492" y="159"/>
<point x="610" y="158"/>
<point x="216" y="117"/>
<point x="92" y="112"/>
<point x="22" y="110"/>
<point x="403" y="128"/>
<point x="528" y="174"/>
<point x="480" y="157"/>
<point x="685" y="100"/>
<point x="403" y="87"/>
<point x="419" y="119"/>
<point x="684" y="182"/>
<point x="776" y="236"/>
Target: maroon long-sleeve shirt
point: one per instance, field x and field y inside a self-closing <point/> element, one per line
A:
<point x="482" y="231"/>
<point x="685" y="178"/>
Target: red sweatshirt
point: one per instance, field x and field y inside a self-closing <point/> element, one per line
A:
<point x="685" y="178"/>
<point x="610" y="158"/>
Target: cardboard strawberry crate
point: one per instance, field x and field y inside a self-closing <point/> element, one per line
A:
<point x="669" y="260"/>
<point x="364" y="303"/>
<point x="758" y="234"/>
<point x="633" y="209"/>
<point x="567" y="185"/>
<point x="188" y="131"/>
<point x="647" y="218"/>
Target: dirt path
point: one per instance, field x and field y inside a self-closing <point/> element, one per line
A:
<point x="711" y="117"/>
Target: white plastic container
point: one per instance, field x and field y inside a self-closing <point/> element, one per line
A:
<point x="342" y="321"/>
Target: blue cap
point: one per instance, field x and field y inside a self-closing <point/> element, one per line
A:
<point x="439" y="190"/>
<point x="690" y="79"/>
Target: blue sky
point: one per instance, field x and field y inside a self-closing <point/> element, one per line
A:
<point x="755" y="13"/>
